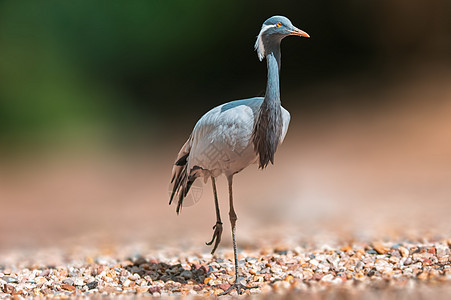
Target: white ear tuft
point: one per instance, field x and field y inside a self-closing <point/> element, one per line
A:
<point x="259" y="47"/>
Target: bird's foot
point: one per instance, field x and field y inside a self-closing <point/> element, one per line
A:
<point x="238" y="287"/>
<point x="216" y="236"/>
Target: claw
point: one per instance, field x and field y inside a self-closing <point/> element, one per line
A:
<point x="216" y="236"/>
<point x="237" y="287"/>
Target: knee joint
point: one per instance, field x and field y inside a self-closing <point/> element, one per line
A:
<point x="233" y="216"/>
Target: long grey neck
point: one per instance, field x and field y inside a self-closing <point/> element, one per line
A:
<point x="268" y="125"/>
<point x="272" y="95"/>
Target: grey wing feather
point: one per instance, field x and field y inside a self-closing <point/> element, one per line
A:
<point x="181" y="178"/>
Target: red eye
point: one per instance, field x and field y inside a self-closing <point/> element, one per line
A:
<point x="278" y="24"/>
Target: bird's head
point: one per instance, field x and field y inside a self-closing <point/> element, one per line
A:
<point x="273" y="31"/>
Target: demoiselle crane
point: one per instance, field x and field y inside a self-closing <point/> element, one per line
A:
<point x="236" y="134"/>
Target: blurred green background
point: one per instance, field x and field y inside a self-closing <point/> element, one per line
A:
<point x="97" y="97"/>
<point x="125" y="72"/>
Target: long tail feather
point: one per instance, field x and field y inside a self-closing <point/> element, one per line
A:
<point x="181" y="179"/>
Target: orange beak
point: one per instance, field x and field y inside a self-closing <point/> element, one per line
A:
<point x="299" y="32"/>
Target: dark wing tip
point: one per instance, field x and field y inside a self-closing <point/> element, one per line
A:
<point x="182" y="160"/>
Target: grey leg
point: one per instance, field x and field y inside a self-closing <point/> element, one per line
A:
<point x="232" y="216"/>
<point x="218" y="226"/>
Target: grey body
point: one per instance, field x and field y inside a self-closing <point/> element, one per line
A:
<point x="234" y="135"/>
<point x="221" y="142"/>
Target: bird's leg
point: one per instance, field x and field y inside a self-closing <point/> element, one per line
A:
<point x="218" y="226"/>
<point x="232" y="216"/>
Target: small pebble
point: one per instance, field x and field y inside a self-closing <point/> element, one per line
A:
<point x="92" y="285"/>
<point x="442" y="250"/>
<point x="68" y="281"/>
<point x="10" y="279"/>
<point x="327" y="278"/>
<point x="68" y="287"/>
<point x="404" y="251"/>
<point x="380" y="248"/>
<point x="187" y="274"/>
<point x="154" y="289"/>
<point x="8" y="289"/>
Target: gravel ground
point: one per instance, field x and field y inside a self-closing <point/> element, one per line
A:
<point x="358" y="270"/>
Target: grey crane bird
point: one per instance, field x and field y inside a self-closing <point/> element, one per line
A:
<point x="236" y="134"/>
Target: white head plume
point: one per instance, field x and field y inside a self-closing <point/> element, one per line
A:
<point x="259" y="47"/>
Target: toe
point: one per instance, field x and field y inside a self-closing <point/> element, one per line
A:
<point x="218" y="240"/>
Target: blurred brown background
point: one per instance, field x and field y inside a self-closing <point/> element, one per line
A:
<point x="96" y="99"/>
